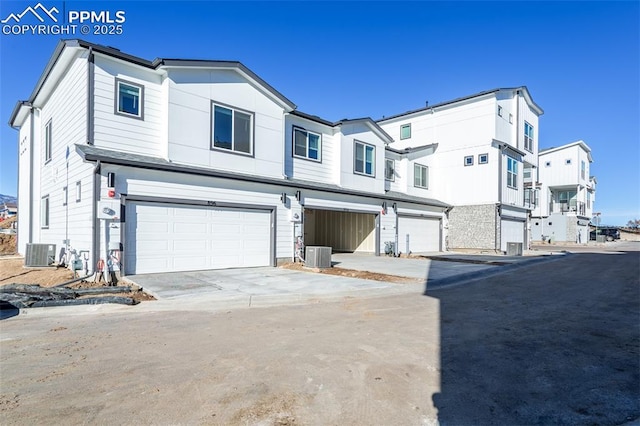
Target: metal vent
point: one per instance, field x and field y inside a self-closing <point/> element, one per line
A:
<point x="318" y="257"/>
<point x="40" y="254"/>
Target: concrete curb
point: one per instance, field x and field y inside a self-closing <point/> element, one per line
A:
<point x="473" y="276"/>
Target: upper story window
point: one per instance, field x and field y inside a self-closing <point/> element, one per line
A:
<point x="48" y="142"/>
<point x="405" y="131"/>
<point x="421" y="176"/>
<point x="389" y="169"/>
<point x="483" y="158"/>
<point x="364" y="159"/>
<point x="567" y="161"/>
<point x="44" y="212"/>
<point x="307" y="144"/>
<point x="512" y="173"/>
<point x="130" y="99"/>
<point x="468" y="160"/>
<point x="499" y="111"/>
<point x="232" y="130"/>
<point x="528" y="137"/>
<point x="583" y="168"/>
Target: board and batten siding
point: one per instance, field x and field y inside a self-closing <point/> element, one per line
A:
<point x="66" y="109"/>
<point x="190" y="98"/>
<point x="305" y="169"/>
<point x="119" y="132"/>
<point x="349" y="133"/>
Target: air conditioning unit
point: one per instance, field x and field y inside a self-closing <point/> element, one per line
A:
<point x="40" y="255"/>
<point x="318" y="257"/>
<point x="514" y="249"/>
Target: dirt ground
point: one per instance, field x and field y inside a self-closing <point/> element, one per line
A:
<point x="352" y="273"/>
<point x="13" y="271"/>
<point x="7" y="241"/>
<point x="559" y="347"/>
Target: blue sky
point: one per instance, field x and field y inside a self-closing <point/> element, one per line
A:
<point x="580" y="61"/>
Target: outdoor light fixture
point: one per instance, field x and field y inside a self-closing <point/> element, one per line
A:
<point x="394" y="206"/>
<point x="111" y="180"/>
<point x="298" y="196"/>
<point x="283" y="198"/>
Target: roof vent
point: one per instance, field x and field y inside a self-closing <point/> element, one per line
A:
<point x="40" y="255"/>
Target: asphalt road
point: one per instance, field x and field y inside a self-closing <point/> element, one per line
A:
<point x="550" y="343"/>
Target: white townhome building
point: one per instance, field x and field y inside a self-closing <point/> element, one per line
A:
<point x="484" y="146"/>
<point x="176" y="165"/>
<point x="566" y="194"/>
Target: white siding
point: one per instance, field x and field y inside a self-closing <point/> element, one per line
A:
<point x="348" y="178"/>
<point x="128" y="134"/>
<point x="299" y="168"/>
<point x="191" y="93"/>
<point x="66" y="109"/>
<point x="26" y="176"/>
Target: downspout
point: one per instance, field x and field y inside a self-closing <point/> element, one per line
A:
<point x="31" y="148"/>
<point x="518" y="119"/>
<point x="496" y="244"/>
<point x="95" y="228"/>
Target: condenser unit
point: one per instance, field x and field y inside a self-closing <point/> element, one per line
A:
<point x="40" y="254"/>
<point x="318" y="257"/>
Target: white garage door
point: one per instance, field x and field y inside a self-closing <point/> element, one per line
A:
<point x="172" y="237"/>
<point x="511" y="232"/>
<point x="424" y="234"/>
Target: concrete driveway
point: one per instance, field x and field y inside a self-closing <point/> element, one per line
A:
<point x="267" y="286"/>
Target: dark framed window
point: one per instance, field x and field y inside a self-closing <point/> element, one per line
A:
<point x="129" y="99"/>
<point x="528" y="137"/>
<point x="405" y="131"/>
<point x="231" y="129"/>
<point x="512" y="173"/>
<point x="44" y="212"/>
<point x="421" y="176"/>
<point x="468" y="160"/>
<point x="483" y="158"/>
<point x="389" y="169"/>
<point x="307" y="145"/>
<point x="364" y="159"/>
<point x="48" y="142"/>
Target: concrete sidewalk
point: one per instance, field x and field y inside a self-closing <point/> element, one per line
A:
<point x="267" y="286"/>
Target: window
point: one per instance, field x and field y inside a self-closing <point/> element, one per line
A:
<point x="526" y="174"/>
<point x="421" y="176"/>
<point x="390" y="169"/>
<point x="583" y="169"/>
<point x="44" y="212"/>
<point x="48" y="142"/>
<point x="567" y="161"/>
<point x="306" y="144"/>
<point x="512" y="173"/>
<point x="364" y="159"/>
<point x="405" y="131"/>
<point x="232" y="130"/>
<point x="528" y="137"/>
<point x="64" y="196"/>
<point x="130" y="99"/>
<point x="483" y="158"/>
<point x="78" y="191"/>
<point x="547" y="164"/>
<point x="468" y="160"/>
<point x="499" y="111"/>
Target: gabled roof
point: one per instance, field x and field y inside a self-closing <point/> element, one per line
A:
<point x="579" y="143"/>
<point x="523" y="89"/>
<point x="367" y="121"/>
<point x="156" y="64"/>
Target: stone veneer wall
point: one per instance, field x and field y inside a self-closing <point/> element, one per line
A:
<point x="473" y="227"/>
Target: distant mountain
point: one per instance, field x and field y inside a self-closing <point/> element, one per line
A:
<point x="7" y="199"/>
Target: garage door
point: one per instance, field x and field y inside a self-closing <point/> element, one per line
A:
<point x="511" y="232"/>
<point x="164" y="237"/>
<point x="423" y="233"/>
